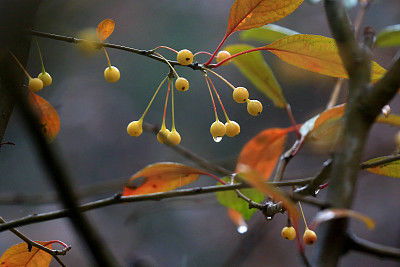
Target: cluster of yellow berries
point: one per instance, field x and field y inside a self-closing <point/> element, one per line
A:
<point x="309" y="236"/>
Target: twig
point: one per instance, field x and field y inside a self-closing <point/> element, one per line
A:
<point x="31" y="243"/>
<point x="118" y="199"/>
<point x="365" y="246"/>
<point x="7" y="143"/>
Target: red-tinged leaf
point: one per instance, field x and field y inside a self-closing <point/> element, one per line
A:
<point x="330" y="214"/>
<point x="237" y="218"/>
<point x="162" y="177"/>
<point x="390" y="169"/>
<point x="19" y="256"/>
<point x="254" y="179"/>
<point x="247" y="14"/>
<point x="105" y="28"/>
<point x="48" y="116"/>
<point x="262" y="152"/>
<point x="315" y="53"/>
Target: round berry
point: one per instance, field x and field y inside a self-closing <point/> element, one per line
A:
<point x="222" y="55"/>
<point x="111" y="74"/>
<point x="309" y="237"/>
<point x="254" y="107"/>
<point x="162" y="136"/>
<point x="46" y="78"/>
<point x="240" y="94"/>
<point x="174" y="138"/>
<point x="184" y="57"/>
<point x="232" y="128"/>
<point x="288" y="233"/>
<point x="182" y="84"/>
<point x="35" y="84"/>
<point x="217" y="129"/>
<point x="135" y="128"/>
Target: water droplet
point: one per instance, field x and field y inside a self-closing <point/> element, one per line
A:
<point x="316" y="191"/>
<point x="217" y="139"/>
<point x="268" y="218"/>
<point x="242" y="229"/>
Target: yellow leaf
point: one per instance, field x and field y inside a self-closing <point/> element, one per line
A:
<point x="247" y="14"/>
<point x="330" y="214"/>
<point x="105" y="28"/>
<point x="162" y="177"/>
<point x="391" y="169"/>
<point x="315" y="53"/>
<point x="48" y="116"/>
<point x="254" y="67"/>
<point x="19" y="256"/>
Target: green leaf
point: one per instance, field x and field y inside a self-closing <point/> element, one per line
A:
<point x="266" y="34"/>
<point x="391" y="169"/>
<point x="231" y="200"/>
<point x="254" y="68"/>
<point x="389" y="36"/>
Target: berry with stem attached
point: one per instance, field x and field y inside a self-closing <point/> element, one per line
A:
<point x="288" y="233"/>
<point x="111" y="74"/>
<point x="240" y="94"/>
<point x="46" y="78"/>
<point x="222" y="55"/>
<point x="184" y="57"/>
<point x="309" y="237"/>
<point x="181" y="84"/>
<point x="35" y="84"/>
<point x="174" y="138"/>
<point x="254" y="107"/>
<point x="135" y="128"/>
<point x="232" y="128"/>
<point x="217" y="129"/>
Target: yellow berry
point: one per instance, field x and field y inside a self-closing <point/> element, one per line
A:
<point x="240" y="94"/>
<point x="222" y="55"/>
<point x="174" y="138"/>
<point x="46" y="78"/>
<point x="217" y="129"/>
<point x="35" y="84"/>
<point x="254" y="107"/>
<point x="232" y="128"/>
<point x="111" y="74"/>
<point x="309" y="237"/>
<point x="184" y="57"/>
<point x="135" y="128"/>
<point x="162" y="136"/>
<point x="288" y="233"/>
<point x="182" y="84"/>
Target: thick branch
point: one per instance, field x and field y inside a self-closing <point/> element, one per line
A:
<point x="365" y="246"/>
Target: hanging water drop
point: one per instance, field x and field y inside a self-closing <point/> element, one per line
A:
<point x="242" y="229"/>
<point x="217" y="139"/>
<point x="316" y="191"/>
<point x="268" y="218"/>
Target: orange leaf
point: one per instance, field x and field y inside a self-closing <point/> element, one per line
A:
<point x="330" y="214"/>
<point x="315" y="53"/>
<point x="19" y="256"/>
<point x="263" y="151"/>
<point x="237" y="218"/>
<point x="105" y="29"/>
<point x="162" y="177"/>
<point x="248" y="14"/>
<point x="48" y="116"/>
<point x="255" y="180"/>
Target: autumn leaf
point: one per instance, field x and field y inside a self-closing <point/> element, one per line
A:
<point x="389" y="36"/>
<point x="330" y="214"/>
<point x="247" y="14"/>
<point x="391" y="169"/>
<point x="254" y="179"/>
<point x="315" y="53"/>
<point x="254" y="68"/>
<point x="48" y="116"/>
<point x="162" y="177"/>
<point x="237" y="219"/>
<point x="230" y="200"/>
<point x="105" y="28"/>
<point x="262" y="152"/>
<point x="266" y="34"/>
<point x="19" y="256"/>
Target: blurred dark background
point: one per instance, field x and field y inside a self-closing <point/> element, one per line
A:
<point x="191" y="231"/>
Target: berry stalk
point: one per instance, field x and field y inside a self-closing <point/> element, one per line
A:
<point x="152" y="99"/>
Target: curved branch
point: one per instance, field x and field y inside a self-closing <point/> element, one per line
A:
<point x="365" y="246"/>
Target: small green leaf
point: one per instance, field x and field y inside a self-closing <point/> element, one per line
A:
<point x="254" y="68"/>
<point x="389" y="36"/>
<point x="230" y="199"/>
<point x="266" y="34"/>
<point x="391" y="169"/>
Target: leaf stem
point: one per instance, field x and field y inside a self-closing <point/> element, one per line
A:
<point x="217" y="49"/>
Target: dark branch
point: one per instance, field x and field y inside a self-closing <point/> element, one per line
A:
<point x="365" y="246"/>
<point x="384" y="161"/>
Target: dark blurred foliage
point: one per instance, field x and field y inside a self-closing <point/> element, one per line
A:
<point x="191" y="231"/>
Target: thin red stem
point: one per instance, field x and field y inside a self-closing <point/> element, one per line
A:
<point x="58" y="242"/>
<point x="219" y="99"/>
<point x="212" y="98"/>
<point x="217" y="49"/>
<point x="239" y="54"/>
<point x="293" y="121"/>
<point x="166" y="47"/>
<point x="202" y="52"/>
